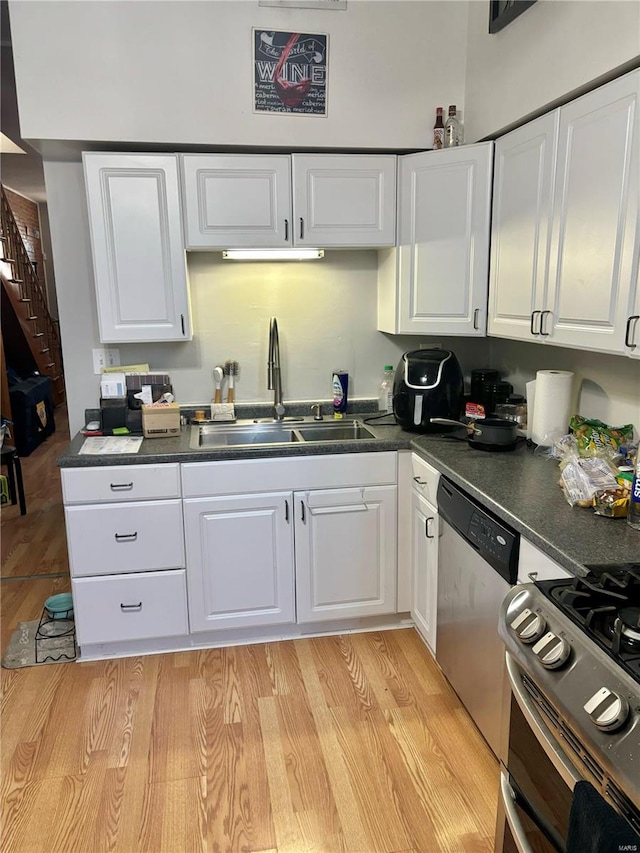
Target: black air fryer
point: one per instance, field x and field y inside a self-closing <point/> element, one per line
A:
<point x="428" y="384"/>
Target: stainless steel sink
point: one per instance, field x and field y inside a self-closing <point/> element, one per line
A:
<point x="335" y="431"/>
<point x="251" y="434"/>
<point x="240" y="435"/>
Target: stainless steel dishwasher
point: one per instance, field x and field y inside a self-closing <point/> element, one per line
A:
<point x="477" y="565"/>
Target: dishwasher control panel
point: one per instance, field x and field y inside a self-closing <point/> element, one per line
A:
<point x="495" y="541"/>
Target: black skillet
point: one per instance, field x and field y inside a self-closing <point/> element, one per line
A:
<point x="496" y="434"/>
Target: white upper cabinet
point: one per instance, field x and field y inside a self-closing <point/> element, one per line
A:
<point x="240" y="200"/>
<point x="247" y="201"/>
<point x="138" y="253"/>
<point x="520" y="227"/>
<point x="595" y="215"/>
<point x="344" y="200"/>
<point x="435" y="282"/>
<point x="565" y="243"/>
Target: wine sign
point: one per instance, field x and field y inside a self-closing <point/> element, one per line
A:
<point x="290" y="72"/>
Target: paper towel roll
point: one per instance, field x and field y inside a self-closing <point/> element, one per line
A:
<point x="552" y="406"/>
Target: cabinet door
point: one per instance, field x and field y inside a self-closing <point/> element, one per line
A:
<point x="345" y="553"/>
<point x="344" y="200"/>
<point x="443" y="242"/>
<point x="424" y="564"/>
<point x="138" y="253"/>
<point x="520" y="229"/>
<point x="239" y="561"/>
<point x="595" y="216"/>
<point x="240" y="200"/>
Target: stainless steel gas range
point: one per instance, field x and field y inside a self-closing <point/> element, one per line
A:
<point x="573" y="661"/>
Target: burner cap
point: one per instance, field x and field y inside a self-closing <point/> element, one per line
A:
<point x="630" y="623"/>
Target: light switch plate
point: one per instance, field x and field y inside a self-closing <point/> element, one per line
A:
<point x="105" y="358"/>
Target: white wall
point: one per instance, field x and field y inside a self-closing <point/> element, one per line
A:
<point x="606" y="387"/>
<point x="180" y="71"/>
<point x="552" y="48"/>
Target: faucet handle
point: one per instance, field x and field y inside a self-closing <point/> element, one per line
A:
<point x="317" y="410"/>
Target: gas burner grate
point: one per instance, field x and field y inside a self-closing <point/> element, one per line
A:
<point x="595" y="602"/>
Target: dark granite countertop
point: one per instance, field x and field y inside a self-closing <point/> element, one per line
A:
<point x="519" y="487"/>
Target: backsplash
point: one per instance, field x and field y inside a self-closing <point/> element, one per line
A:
<point x="605" y="386"/>
<point x="326" y="313"/>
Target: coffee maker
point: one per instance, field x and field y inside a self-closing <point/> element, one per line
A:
<point x="428" y="384"/>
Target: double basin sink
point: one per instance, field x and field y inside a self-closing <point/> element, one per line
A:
<point x="251" y="434"/>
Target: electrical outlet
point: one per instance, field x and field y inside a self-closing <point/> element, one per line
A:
<point x="105" y="358"/>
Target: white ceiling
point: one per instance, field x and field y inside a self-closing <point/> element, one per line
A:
<point x="20" y="172"/>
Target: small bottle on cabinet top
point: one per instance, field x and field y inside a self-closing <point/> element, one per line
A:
<point x="452" y="129"/>
<point x="633" y="518"/>
<point x="438" y="130"/>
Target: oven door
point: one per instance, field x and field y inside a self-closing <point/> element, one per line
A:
<point x="537" y="784"/>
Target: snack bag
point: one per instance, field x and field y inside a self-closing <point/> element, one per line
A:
<point x="594" y="436"/>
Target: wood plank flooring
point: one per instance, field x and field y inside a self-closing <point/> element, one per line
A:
<point x="348" y="743"/>
<point x="353" y="743"/>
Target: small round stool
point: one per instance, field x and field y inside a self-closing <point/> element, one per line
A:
<point x="9" y="457"/>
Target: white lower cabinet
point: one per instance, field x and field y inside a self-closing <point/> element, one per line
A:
<point x="240" y="561"/>
<point x="315" y="540"/>
<point x="425" y="530"/>
<point x="345" y="553"/>
<point x="126" y="556"/>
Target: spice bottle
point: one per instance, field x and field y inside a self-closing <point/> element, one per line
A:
<point x="452" y="129"/>
<point x="438" y="130"/>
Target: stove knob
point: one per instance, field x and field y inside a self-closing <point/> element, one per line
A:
<point x="529" y="626"/>
<point x="607" y="710"/>
<point x="553" y="652"/>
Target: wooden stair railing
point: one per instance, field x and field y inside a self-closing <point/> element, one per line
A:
<point x="27" y="297"/>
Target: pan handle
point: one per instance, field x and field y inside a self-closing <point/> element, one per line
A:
<point x="470" y="428"/>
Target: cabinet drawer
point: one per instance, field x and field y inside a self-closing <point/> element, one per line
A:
<point x="133" y="607"/>
<point x="120" y="483"/>
<point x="424" y="478"/>
<point x="129" y="537"/>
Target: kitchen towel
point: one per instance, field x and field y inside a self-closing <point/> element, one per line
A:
<point x="594" y="827"/>
<point x="552" y="405"/>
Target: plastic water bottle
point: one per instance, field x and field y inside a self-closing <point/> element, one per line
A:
<point x="633" y="518"/>
<point x="385" y="390"/>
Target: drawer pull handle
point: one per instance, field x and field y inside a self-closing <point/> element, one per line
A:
<point x="426" y="527"/>
<point x="126" y="537"/>
<point x="131" y="608"/>
<point x="533" y="322"/>
<point x="420" y="482"/>
<point x="121" y="487"/>
<point x="476" y="314"/>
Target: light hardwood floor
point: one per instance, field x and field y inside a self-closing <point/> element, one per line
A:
<point x="350" y="743"/>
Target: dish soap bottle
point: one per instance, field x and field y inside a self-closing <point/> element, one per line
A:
<point x="339" y="388"/>
<point x="385" y="390"/>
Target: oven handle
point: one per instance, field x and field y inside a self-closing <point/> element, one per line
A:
<point x="509" y="802"/>
<point x="554" y="752"/>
